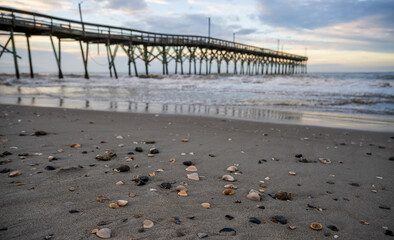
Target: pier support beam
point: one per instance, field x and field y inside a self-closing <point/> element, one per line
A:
<point x="111" y="59"/>
<point x="85" y="57"/>
<point x="14" y="54"/>
<point x="57" y="55"/>
<point x="29" y="53"/>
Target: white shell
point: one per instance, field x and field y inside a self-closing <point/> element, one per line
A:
<point x="228" y="178"/>
<point x="253" y="195"/>
<point x="232" y="169"/>
<point x="147" y="224"/>
<point x="122" y="203"/>
<point x="191" y="169"/>
<point x="193" y="176"/>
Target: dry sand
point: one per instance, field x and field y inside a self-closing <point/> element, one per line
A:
<point x="41" y="207"/>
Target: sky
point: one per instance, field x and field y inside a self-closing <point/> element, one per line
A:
<point x="336" y="35"/>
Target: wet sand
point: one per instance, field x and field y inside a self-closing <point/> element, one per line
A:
<point x="261" y="151"/>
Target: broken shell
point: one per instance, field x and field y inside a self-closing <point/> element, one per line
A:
<point x="292" y="227"/>
<point x="172" y="160"/>
<point x="261" y="190"/>
<point x="181" y="188"/>
<point x="119" y="183"/>
<point x="151" y="155"/>
<point x="205" y="205"/>
<point x="75" y="145"/>
<point x="182" y="193"/>
<point x="316" y="226"/>
<point x="113" y="205"/>
<point x="325" y="160"/>
<point x="232" y="186"/>
<point x="94" y="231"/>
<point x="147" y="224"/>
<point x="364" y="222"/>
<point x="104" y="233"/>
<point x="232" y="169"/>
<point x="191" y="169"/>
<point x="132" y="195"/>
<point x="228" y="178"/>
<point x="193" y="176"/>
<point x="185" y="140"/>
<point x="14" y="173"/>
<point x="122" y="203"/>
<point x="253" y="195"/>
<point x="151" y="174"/>
<point x="228" y="192"/>
<point x="292" y="173"/>
<point x="160" y="170"/>
<point x="102" y="198"/>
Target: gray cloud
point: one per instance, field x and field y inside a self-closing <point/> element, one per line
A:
<point x="246" y="31"/>
<point x="311" y="14"/>
<point x="129" y="5"/>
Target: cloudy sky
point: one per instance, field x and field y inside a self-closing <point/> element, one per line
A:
<point x="336" y="35"/>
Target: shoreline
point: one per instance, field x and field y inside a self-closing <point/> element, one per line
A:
<point x="356" y="184"/>
<point x="381" y="123"/>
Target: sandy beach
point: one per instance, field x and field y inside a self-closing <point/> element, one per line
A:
<point x="344" y="179"/>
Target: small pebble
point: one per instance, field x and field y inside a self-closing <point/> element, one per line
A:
<point x="333" y="228"/>
<point x="119" y="183"/>
<point x="123" y="168"/>
<point x="232" y="169"/>
<point x="316" y="226"/>
<point x="165" y="185"/>
<point x="139" y="149"/>
<point x="388" y="232"/>
<point x="279" y="219"/>
<point x="113" y="205"/>
<point x="122" y="203"/>
<point x="227" y="232"/>
<point x="229" y="217"/>
<point x="228" y="192"/>
<point x="73" y="211"/>
<point x="187" y="163"/>
<point x="292" y="227"/>
<point x="283" y="195"/>
<point x="50" y="168"/>
<point x="354" y="184"/>
<point x="181" y="188"/>
<point x="202" y="235"/>
<point x="384" y="207"/>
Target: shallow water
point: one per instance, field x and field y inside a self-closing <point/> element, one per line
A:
<point x="349" y="100"/>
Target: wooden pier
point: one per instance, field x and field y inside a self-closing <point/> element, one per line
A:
<point x="192" y="51"/>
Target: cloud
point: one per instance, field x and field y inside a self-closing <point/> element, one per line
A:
<point x="36" y="5"/>
<point x="127" y="5"/>
<point x="311" y="14"/>
<point x="246" y="31"/>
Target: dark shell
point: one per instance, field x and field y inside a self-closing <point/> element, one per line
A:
<point x="298" y="155"/>
<point x="73" y="211"/>
<point x="254" y="220"/>
<point x="50" y="168"/>
<point x="154" y="151"/>
<point x="40" y="133"/>
<point x="139" y="149"/>
<point x="384" y="207"/>
<point x="228" y="232"/>
<point x="176" y="220"/>
<point x="354" y="184"/>
<point x="279" y="219"/>
<point x="283" y="195"/>
<point x="333" y="228"/>
<point x="388" y="232"/>
<point x="229" y="217"/>
<point x="165" y="185"/>
<point x="123" y="168"/>
<point x="187" y="163"/>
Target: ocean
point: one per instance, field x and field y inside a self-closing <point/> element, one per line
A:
<point x="347" y="100"/>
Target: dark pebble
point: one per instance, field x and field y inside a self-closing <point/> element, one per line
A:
<point x="54" y="159"/>
<point x="384" y="207"/>
<point x="327" y="234"/>
<point x="311" y="206"/>
<point x="259" y="162"/>
<point x="346" y="199"/>
<point x="176" y="220"/>
<point x="298" y="184"/>
<point x="139" y="149"/>
<point x="125" y="219"/>
<point x="211" y="155"/>
<point x="187" y="163"/>
<point x="382" y="147"/>
<point x="238" y="201"/>
<point x="298" y="155"/>
<point x="333" y="228"/>
<point x="154" y="151"/>
<point x="165" y="185"/>
<point x="228" y="232"/>
<point x="261" y="207"/>
<point x="141" y="230"/>
<point x="73" y="211"/>
<point x="310" y="196"/>
<point x="304" y="160"/>
<point x="343" y="144"/>
<point x="23" y="154"/>
<point x="283" y="195"/>
<point x="150" y="142"/>
<point x="191" y="218"/>
<point x="355" y="184"/>
<point x="391" y="158"/>
<point x="130" y="153"/>
<point x="140" y="183"/>
<point x="84" y="152"/>
<point x="92" y="165"/>
<point x="6" y="153"/>
<point x="369" y="153"/>
<point x="389" y="232"/>
<point x="254" y="220"/>
<point x="102" y="223"/>
<point x="123" y="168"/>
<point x="3" y="229"/>
<point x="335" y="199"/>
<point x="279" y="219"/>
<point x="330" y="182"/>
<point x="229" y="217"/>
<point x="50" y="168"/>
<point x="5" y="170"/>
<point x="40" y="133"/>
<point x="141" y="180"/>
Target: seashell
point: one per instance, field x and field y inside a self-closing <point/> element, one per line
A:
<point x="227" y="232"/>
<point x="278" y="219"/>
<point x="325" y="160"/>
<point x="292" y="173"/>
<point x="151" y="155"/>
<point x="232" y="169"/>
<point x="253" y="195"/>
<point x="283" y="195"/>
<point x="316" y="226"/>
<point x="132" y="195"/>
<point x="160" y="170"/>
<point x="151" y="174"/>
<point x="187" y="163"/>
<point x="20" y="183"/>
<point x="232" y="186"/>
<point x="228" y="192"/>
<point x="254" y="220"/>
<point x="166" y="185"/>
<point x="292" y="227"/>
<point x="147" y="224"/>
<point x="205" y="205"/>
<point x="191" y="169"/>
<point x="104" y="233"/>
<point x="75" y="145"/>
<point x="193" y="176"/>
<point x="261" y="190"/>
<point x="230" y="139"/>
<point x="122" y="168"/>
<point x="94" y="231"/>
<point x="364" y="222"/>
<point x="119" y="183"/>
<point x="14" y="173"/>
<point x="119" y="137"/>
<point x="113" y="205"/>
<point x="185" y="140"/>
<point x="182" y="193"/>
<point x="122" y="203"/>
<point x="172" y="160"/>
<point x="181" y="188"/>
<point x="228" y="178"/>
